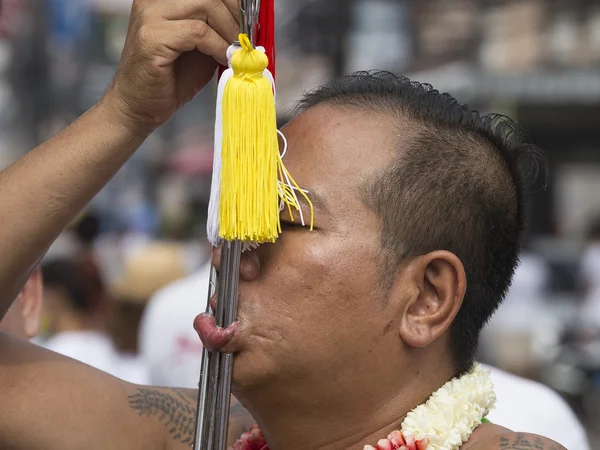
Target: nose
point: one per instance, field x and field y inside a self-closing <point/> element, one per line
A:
<point x="216" y="257"/>
<point x="249" y="263"/>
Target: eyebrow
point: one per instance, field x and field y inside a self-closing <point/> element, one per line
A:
<point x="318" y="200"/>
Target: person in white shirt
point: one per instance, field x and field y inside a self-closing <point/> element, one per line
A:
<point x="171" y="348"/>
<point x="510" y="338"/>
<point x="168" y="342"/>
<point x="535" y="408"/>
<point x="70" y="313"/>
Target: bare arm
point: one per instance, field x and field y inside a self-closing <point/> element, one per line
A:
<point x="175" y="409"/>
<point x="53" y="402"/>
<point x="169" y="56"/>
<point x="43" y="191"/>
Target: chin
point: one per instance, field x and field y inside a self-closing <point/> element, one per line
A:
<point x="251" y="373"/>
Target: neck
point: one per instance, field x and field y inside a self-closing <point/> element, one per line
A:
<point x="337" y="417"/>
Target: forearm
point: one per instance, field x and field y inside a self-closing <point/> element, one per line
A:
<point x="52" y="402"/>
<point x="42" y="192"/>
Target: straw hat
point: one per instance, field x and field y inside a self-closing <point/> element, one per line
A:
<point x="149" y="268"/>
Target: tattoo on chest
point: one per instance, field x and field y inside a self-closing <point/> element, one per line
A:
<point x="175" y="408"/>
<point x="526" y="442"/>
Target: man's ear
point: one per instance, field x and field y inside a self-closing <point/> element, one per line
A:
<point x="32" y="297"/>
<point x="438" y="283"/>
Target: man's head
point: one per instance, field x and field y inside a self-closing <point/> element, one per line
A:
<point x="454" y="185"/>
<point x="418" y="221"/>
<point x="22" y="320"/>
<point x="69" y="303"/>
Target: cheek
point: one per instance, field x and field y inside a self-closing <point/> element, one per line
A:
<point x="332" y="280"/>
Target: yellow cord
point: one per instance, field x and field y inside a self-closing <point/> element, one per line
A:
<point x="287" y="194"/>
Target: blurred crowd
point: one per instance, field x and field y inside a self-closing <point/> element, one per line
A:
<point x="123" y="284"/>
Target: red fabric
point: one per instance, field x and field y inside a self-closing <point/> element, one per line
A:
<point x="266" y="31"/>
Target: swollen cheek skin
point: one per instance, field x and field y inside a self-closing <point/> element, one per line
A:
<point x="249" y="266"/>
<point x="314" y="268"/>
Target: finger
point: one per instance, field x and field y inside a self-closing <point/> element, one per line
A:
<point x="166" y="41"/>
<point x="234" y="8"/>
<point x="214" y="12"/>
<point x="223" y="21"/>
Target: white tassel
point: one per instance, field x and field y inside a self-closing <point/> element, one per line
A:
<point x="212" y="224"/>
<point x="269" y="76"/>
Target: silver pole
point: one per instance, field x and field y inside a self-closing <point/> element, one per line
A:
<point x="214" y="361"/>
<point x="215" y="377"/>
<point x="216" y="371"/>
<point x="232" y="252"/>
<point x="204" y="370"/>
<point x="249" y="10"/>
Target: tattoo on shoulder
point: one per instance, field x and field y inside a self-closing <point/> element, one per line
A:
<point x="522" y="441"/>
<point x="175" y="408"/>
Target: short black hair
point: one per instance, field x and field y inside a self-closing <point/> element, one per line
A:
<point x="66" y="274"/>
<point x="456" y="185"/>
<point x="87" y="228"/>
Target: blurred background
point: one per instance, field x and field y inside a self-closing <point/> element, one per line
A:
<point x="537" y="61"/>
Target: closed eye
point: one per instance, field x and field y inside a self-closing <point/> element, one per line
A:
<point x="288" y="225"/>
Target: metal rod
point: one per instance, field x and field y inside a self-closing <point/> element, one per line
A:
<point x="204" y="370"/>
<point x="232" y="252"/>
<point x="215" y="382"/>
<point x="249" y="10"/>
<point x="208" y="432"/>
<point x="210" y="429"/>
<point x="216" y="371"/>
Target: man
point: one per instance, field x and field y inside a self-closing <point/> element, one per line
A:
<point x="342" y="330"/>
<point x="71" y="313"/>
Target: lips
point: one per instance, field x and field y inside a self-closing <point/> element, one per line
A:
<point x="213" y="337"/>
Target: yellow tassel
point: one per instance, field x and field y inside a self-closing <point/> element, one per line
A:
<point x="287" y="185"/>
<point x="249" y="207"/>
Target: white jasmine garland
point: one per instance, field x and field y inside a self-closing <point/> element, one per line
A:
<point x="452" y="412"/>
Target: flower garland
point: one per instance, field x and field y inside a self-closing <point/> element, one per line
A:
<point x="444" y="422"/>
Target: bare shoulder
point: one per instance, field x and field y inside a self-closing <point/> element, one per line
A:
<point x="511" y="440"/>
<point x="174" y="410"/>
<point x="72" y="406"/>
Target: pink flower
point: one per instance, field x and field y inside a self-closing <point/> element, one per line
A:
<point x="385" y="444"/>
<point x="410" y="443"/>
<point x="251" y="440"/>
<point x="396" y="438"/>
<point x="397" y="441"/>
